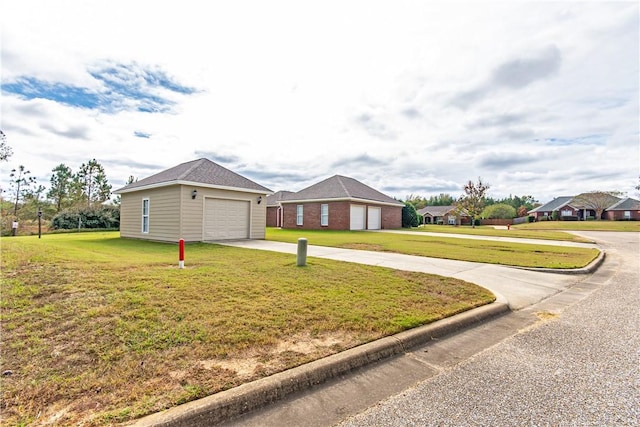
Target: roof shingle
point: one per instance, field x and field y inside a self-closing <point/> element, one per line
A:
<point x="341" y="187"/>
<point x="200" y="171"/>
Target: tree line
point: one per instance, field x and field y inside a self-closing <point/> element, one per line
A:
<point x="74" y="199"/>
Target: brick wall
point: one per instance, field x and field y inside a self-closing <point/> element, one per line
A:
<point x="339" y="216"/>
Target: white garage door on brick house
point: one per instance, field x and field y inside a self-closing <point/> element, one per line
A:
<point x="226" y="219"/>
<point x="373" y="218"/>
<point x="357" y="217"/>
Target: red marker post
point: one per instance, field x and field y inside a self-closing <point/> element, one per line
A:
<point x="181" y="262"/>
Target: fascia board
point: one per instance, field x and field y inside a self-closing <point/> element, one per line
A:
<point x="341" y="199"/>
<point x="190" y="183"/>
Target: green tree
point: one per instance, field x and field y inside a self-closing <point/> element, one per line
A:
<point x="442" y="199"/>
<point x="409" y="216"/>
<point x="61" y="186"/>
<point x="499" y="211"/>
<point x="472" y="201"/>
<point x="21" y="182"/>
<point x="92" y="182"/>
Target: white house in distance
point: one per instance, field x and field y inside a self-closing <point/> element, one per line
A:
<point x="195" y="201"/>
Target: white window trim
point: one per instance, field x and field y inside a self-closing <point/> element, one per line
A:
<point x="627" y="214"/>
<point x="145" y="216"/>
<point x="324" y="215"/>
<point x="299" y="214"/>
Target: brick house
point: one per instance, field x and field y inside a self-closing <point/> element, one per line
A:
<point x="561" y="205"/>
<point x="340" y="203"/>
<point x="576" y="208"/>
<point x="274" y="207"/>
<point x="626" y="209"/>
<point x="442" y="215"/>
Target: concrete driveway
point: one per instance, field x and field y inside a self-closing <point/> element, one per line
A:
<point x="517" y="287"/>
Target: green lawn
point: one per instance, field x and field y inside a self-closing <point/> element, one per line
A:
<point x="487" y="251"/>
<point x="515" y="231"/>
<point x="581" y="225"/>
<point x="99" y="330"/>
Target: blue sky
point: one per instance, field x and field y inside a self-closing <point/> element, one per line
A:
<point x="537" y="98"/>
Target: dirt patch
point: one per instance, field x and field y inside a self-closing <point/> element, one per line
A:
<point x="303" y="345"/>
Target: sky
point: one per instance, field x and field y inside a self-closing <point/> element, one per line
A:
<point x="413" y="98"/>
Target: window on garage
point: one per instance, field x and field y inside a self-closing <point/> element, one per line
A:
<point x="145" y="215"/>
<point x="324" y="215"/>
<point x="299" y="215"/>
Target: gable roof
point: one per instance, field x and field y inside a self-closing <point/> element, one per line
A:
<point x="436" y="210"/>
<point x="553" y="205"/>
<point x="273" y="199"/>
<point x="340" y="187"/>
<point x="202" y="172"/>
<point x="627" y="204"/>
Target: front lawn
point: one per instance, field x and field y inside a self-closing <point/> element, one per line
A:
<point x="515" y="231"/>
<point x="601" y="225"/>
<point x="98" y="330"/>
<point x="487" y="251"/>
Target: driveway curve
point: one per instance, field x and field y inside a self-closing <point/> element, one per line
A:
<point x="517" y="287"/>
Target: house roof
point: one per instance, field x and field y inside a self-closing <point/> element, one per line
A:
<point x="341" y="188"/>
<point x="273" y="199"/>
<point x="436" y="210"/>
<point x="627" y="204"/>
<point x="553" y="205"/>
<point x="201" y="172"/>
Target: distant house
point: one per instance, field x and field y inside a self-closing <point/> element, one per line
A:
<point x="562" y="205"/>
<point x="625" y="209"/>
<point x="274" y="208"/>
<point x="579" y="208"/>
<point x="195" y="201"/>
<point x="340" y="203"/>
<point x="442" y="215"/>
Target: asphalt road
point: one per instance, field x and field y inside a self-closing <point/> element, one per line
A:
<point x="570" y="358"/>
<point x="579" y="367"/>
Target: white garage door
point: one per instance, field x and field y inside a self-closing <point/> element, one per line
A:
<point x="373" y="218"/>
<point x="226" y="219"/>
<point x="357" y="217"/>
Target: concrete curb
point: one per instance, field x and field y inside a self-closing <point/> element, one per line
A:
<point x="593" y="266"/>
<point x="231" y="403"/>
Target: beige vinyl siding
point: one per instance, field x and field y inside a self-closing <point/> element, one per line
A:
<point x="174" y="215"/>
<point x="193" y="211"/>
<point x="164" y="214"/>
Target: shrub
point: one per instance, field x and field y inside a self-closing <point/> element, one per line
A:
<point x="409" y="216"/>
<point x="104" y="216"/>
<point x="499" y="211"/>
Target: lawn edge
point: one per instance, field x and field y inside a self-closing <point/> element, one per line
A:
<point x="229" y="404"/>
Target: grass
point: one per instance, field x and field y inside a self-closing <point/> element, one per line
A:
<point x="488" y="230"/>
<point x="602" y="225"/>
<point x="98" y="330"/>
<point x="486" y="251"/>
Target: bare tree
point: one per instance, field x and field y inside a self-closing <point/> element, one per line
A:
<point x="5" y="150"/>
<point x="21" y="182"/>
<point x="597" y="201"/>
<point x="472" y="202"/>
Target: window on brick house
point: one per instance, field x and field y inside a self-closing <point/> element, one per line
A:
<point x="299" y="215"/>
<point x="324" y="215"/>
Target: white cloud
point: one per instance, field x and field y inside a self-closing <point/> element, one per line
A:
<point x="293" y="92"/>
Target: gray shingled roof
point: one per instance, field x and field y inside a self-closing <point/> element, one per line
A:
<point x="273" y="199"/>
<point x="627" y="204"/>
<point x="436" y="210"/>
<point x="341" y="187"/>
<point x="200" y="171"/>
<point x="553" y="205"/>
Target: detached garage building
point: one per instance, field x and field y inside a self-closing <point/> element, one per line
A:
<point x="195" y="201"/>
<point x="340" y="203"/>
